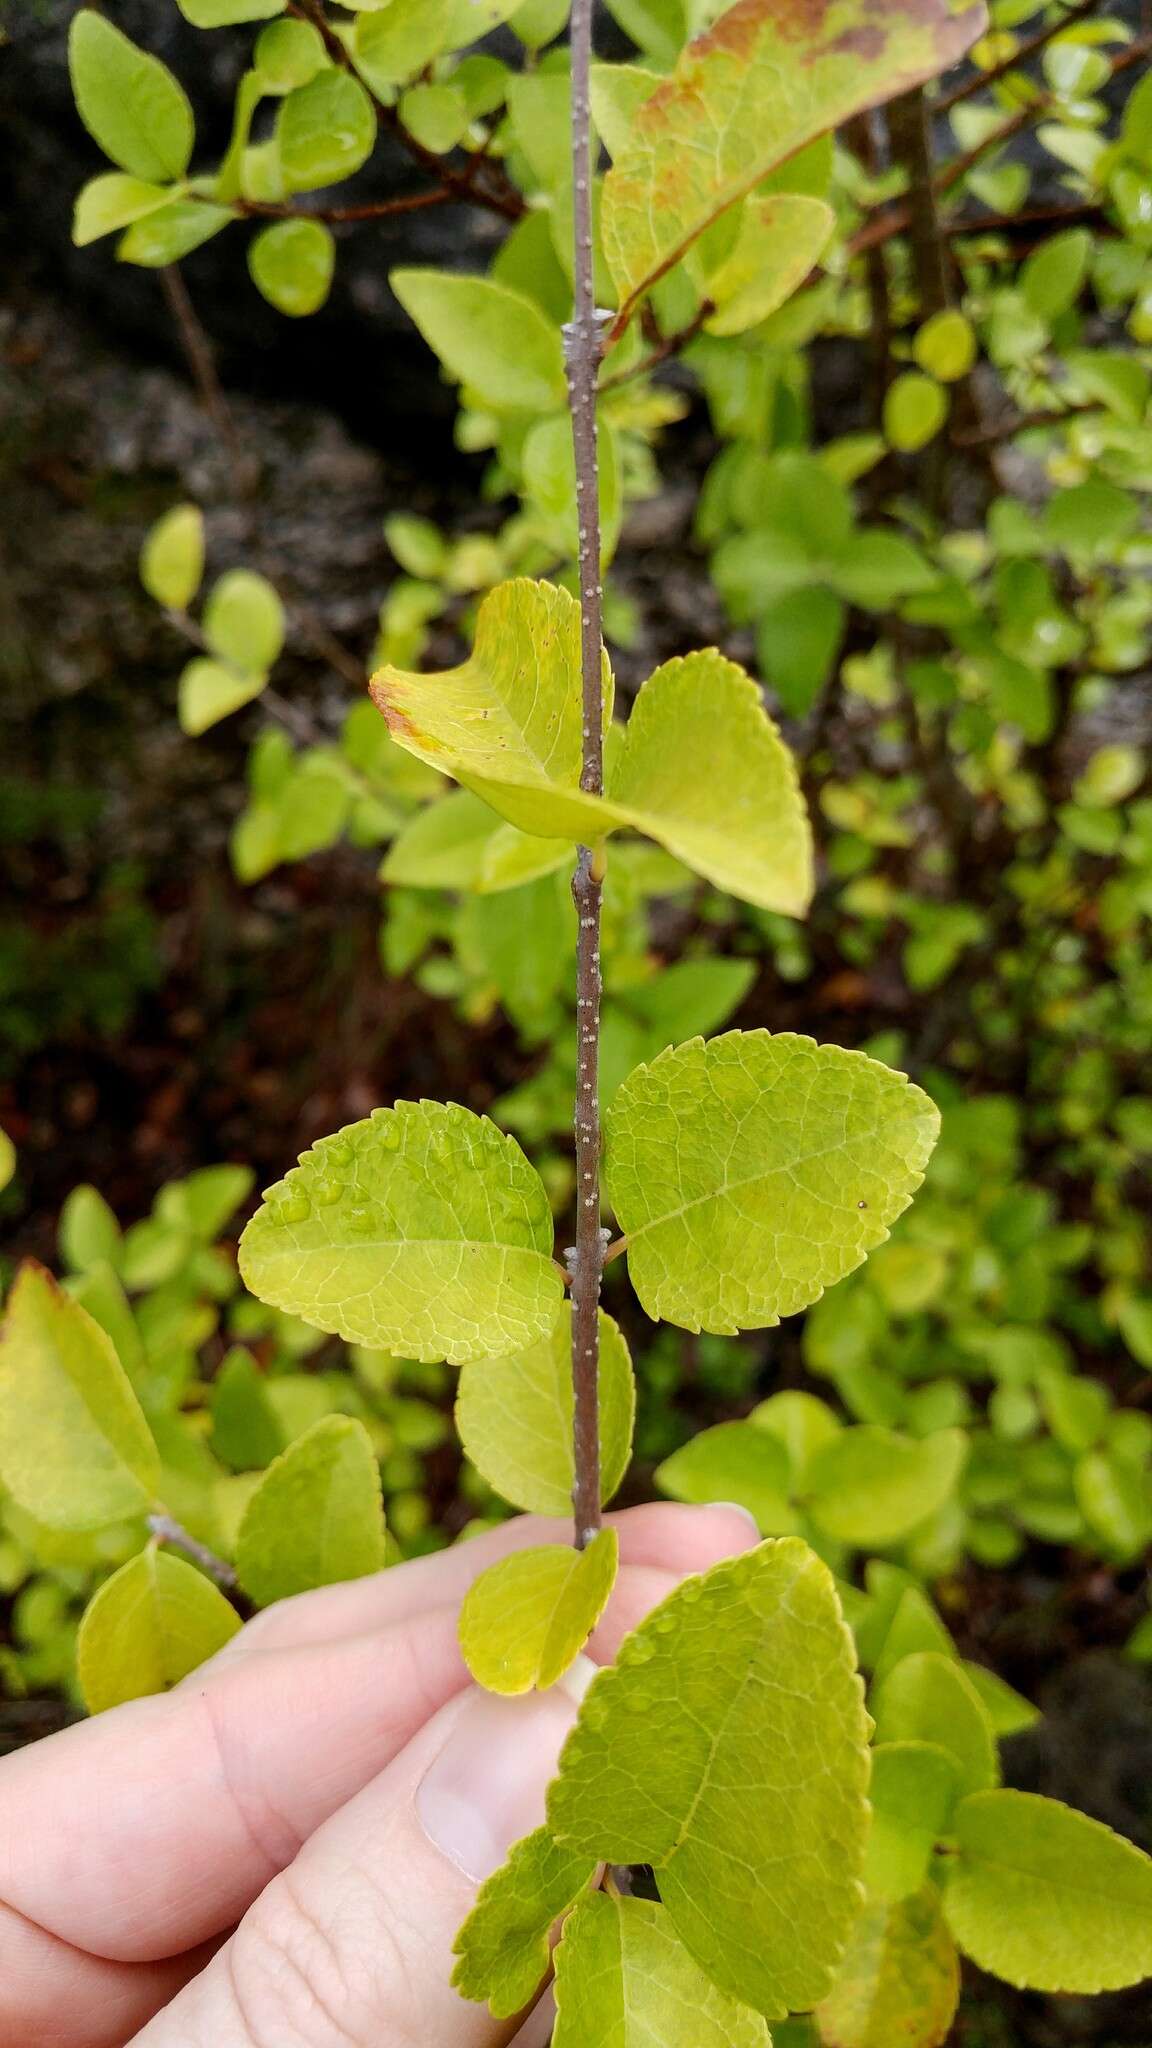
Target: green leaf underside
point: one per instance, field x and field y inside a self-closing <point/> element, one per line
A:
<point x="1047" y="1898"/>
<point x="507" y="724"/>
<point x="928" y="1698"/>
<point x="749" y="93"/>
<point x="526" y="1618"/>
<point x="624" y="1979"/>
<point x="149" y="1625"/>
<point x="514" y="1416"/>
<point x="502" y="1948"/>
<point x="461" y="843"/>
<point x="751" y="1173"/>
<point x="316" y="1517"/>
<point x="899" y="1982"/>
<point x="871" y="1487"/>
<point x="488" y="336"/>
<point x="75" y="1450"/>
<point x="913" y="1791"/>
<point x="742" y="1686"/>
<point x="422" y="1230"/>
<point x="780" y="238"/>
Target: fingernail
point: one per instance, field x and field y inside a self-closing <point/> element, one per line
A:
<point x="486" y="1787"/>
<point x="734" y="1508"/>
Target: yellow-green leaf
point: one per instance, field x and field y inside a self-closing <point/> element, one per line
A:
<point x="149" y="1625"/>
<point x="727" y="1747"/>
<point x="780" y="238"/>
<point x="422" y="1230"/>
<point x="7" y="1159"/>
<point x="1046" y="1897"/>
<point x="526" y="1618"/>
<point x="172" y="558"/>
<point x="913" y="1791"/>
<point x="749" y="92"/>
<point x="899" y="1982"/>
<point x="624" y="1979"/>
<point x="114" y="200"/>
<point x="751" y="1173"/>
<point x="489" y="337"/>
<point x="514" y="1416"/>
<point x="508" y="725"/>
<point x="870" y="1486"/>
<point x="209" y="692"/>
<point x="244" y="621"/>
<point x="503" y="1945"/>
<point x="128" y="101"/>
<point x="292" y="262"/>
<point x="742" y="822"/>
<point x="927" y="1697"/>
<point x="735" y="1462"/>
<point x="75" y="1450"/>
<point x="316" y="1517"/>
<point x="325" y="130"/>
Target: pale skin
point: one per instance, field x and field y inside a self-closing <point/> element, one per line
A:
<point x="279" y="1853"/>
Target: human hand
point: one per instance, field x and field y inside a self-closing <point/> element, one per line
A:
<point x="279" y="1853"/>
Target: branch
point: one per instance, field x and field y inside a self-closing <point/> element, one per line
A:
<point x="335" y="216"/>
<point x="460" y="184"/>
<point x="582" y="350"/>
<point x="669" y="345"/>
<point x="202" y="369"/>
<point x="166" y="1530"/>
<point x="983" y="79"/>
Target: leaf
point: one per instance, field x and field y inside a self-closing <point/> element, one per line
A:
<point x="209" y="692"/>
<point x="549" y="467"/>
<point x="222" y="13"/>
<point x="751" y="1173"/>
<point x="391" y="46"/>
<point x="1047" y="1898"/>
<point x="244" y="621"/>
<point x="900" y="1981"/>
<point x="502" y="1948"/>
<point x="316" y="1517"/>
<point x="1052" y="276"/>
<point x="928" y="1698"/>
<point x="946" y="347"/>
<point x="1008" y="1710"/>
<point x="514" y="1417"/>
<point x="487" y="336"/>
<point x="624" y="1979"/>
<point x="288" y="54"/>
<point x="742" y="824"/>
<point x="507" y="723"/>
<point x="913" y="1790"/>
<point x="325" y="130"/>
<point x="112" y="201"/>
<point x="172" y="558"/>
<point x="915" y="409"/>
<point x="7" y="1159"/>
<point x="150" y="1624"/>
<point x="745" y="96"/>
<point x="422" y="1230"/>
<point x="734" y="1462"/>
<point x="75" y="1450"/>
<point x="871" y="1487"/>
<point x="525" y="1618"/>
<point x="781" y="238"/>
<point x="742" y="1685"/>
<point x="460" y="843"/>
<point x="172" y="232"/>
<point x="292" y="263"/>
<point x="128" y="101"/>
<point x="246" y="1431"/>
<point x="88" y="1232"/>
<point x="798" y="638"/>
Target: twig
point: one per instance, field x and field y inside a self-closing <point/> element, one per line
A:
<point x="969" y="87"/>
<point x="460" y="184"/>
<point x="202" y="366"/>
<point x="669" y="345"/>
<point x="166" y="1530"/>
<point x="335" y="216"/>
<point x="582" y="350"/>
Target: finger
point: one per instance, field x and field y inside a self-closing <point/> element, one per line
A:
<point x="151" y="1829"/>
<point x="353" y="1944"/>
<point x="54" y="1995"/>
<point x="671" y="1537"/>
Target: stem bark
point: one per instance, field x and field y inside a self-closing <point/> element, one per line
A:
<point x="582" y="347"/>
